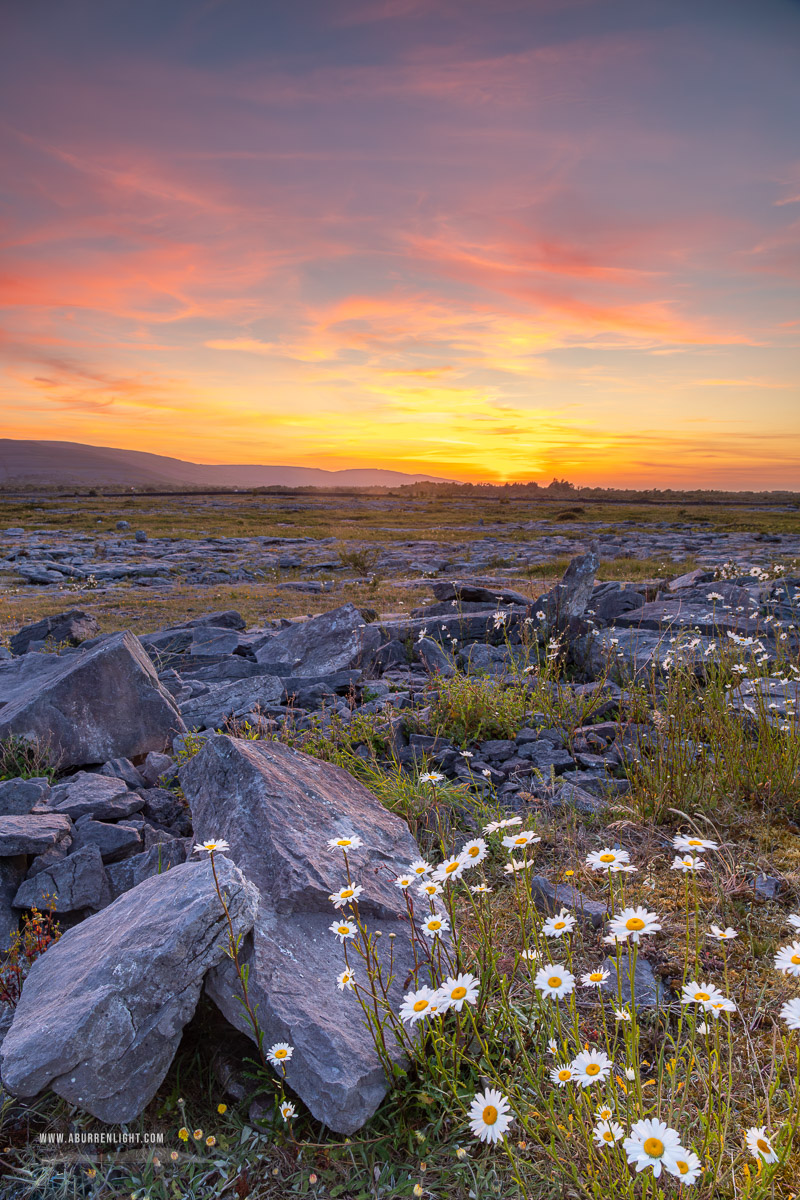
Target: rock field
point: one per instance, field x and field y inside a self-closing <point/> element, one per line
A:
<point x="152" y="741"/>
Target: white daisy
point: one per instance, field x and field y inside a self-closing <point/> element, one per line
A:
<point x="702" y="994"/>
<point x="451" y="868"/>
<point x="648" y="1143"/>
<point x="723" y="935"/>
<point x="634" y="923"/>
<point x="431" y="777"/>
<point x="474" y="852"/>
<point x="493" y="826"/>
<point x="692" y="843"/>
<point x="594" y="978"/>
<point x="480" y="888"/>
<point x="287" y="1110"/>
<point x="404" y="881"/>
<point x="591" y="1066"/>
<point x="552" y="1046"/>
<point x="417" y="1005"/>
<point x="721" y="1004"/>
<point x="607" y="860"/>
<point x="554" y="981"/>
<point x="457" y="991"/>
<point x="684" y="1165"/>
<point x="687" y="863"/>
<point x="345" y="895"/>
<point x="435" y="926"/>
<point x="348" y="842"/>
<point x="557" y="926"/>
<point x="622" y="1014"/>
<point x="430" y="888"/>
<point x="759" y="1145"/>
<point x="703" y="1027"/>
<point x="794" y="920"/>
<point x="606" y="1133"/>
<point x="345" y="980"/>
<point x="489" y="1115"/>
<point x="518" y="841"/>
<point x="787" y="959"/>
<point x="420" y="867"/>
<point x="213" y="846"/>
<point x="280" y="1053"/>
<point x="343" y="929"/>
<point x="604" y="1113"/>
<point x="630" y="1074"/>
<point x="516" y="864"/>
<point x="562" y="1075"/>
<point x="791" y="1013"/>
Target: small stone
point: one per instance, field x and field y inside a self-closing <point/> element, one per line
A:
<point x="75" y="883"/>
<point x="103" y="797"/>
<point x="550" y="898"/>
<point x="18" y="796"/>
<point x="32" y="834"/>
<point x="649" y="992"/>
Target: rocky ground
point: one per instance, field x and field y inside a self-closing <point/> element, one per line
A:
<point x="121" y="752"/>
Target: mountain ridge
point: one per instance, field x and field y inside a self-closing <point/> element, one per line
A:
<point x="28" y="461"/>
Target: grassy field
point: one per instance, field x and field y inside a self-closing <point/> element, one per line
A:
<point x="364" y="518"/>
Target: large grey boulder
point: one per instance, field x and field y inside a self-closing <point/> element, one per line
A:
<point x="333" y="641"/>
<point x="234" y="699"/>
<point x="278" y="808"/>
<point x="102" y="1011"/>
<point x="90" y="705"/>
<point x="100" y="796"/>
<point x="71" y="627"/>
<point x="72" y="884"/>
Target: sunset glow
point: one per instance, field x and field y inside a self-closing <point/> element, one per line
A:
<point x="487" y="241"/>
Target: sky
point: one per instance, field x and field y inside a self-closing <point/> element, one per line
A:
<point x="485" y="239"/>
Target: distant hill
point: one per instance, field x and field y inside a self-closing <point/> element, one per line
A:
<point x="58" y="463"/>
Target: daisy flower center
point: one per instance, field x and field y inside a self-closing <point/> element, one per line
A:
<point x="605" y="1114"/>
<point x="458" y="993"/>
<point x="474" y="851"/>
<point x="434" y="924"/>
<point x="682" y="1166"/>
<point x="763" y="1146"/>
<point x="520" y="841"/>
<point x="554" y="981"/>
<point x="490" y="1114"/>
<point x="347" y="892"/>
<point x="593" y="1069"/>
<point x="634" y="923"/>
<point x="608" y="1136"/>
<point x="280" y="1054"/>
<point x="452" y="867"/>
<point x="596" y="976"/>
<point x="565" y="1074"/>
<point x="702" y="996"/>
<point x="654" y="1147"/>
<point x="695" y="842"/>
<point x="796" y="959"/>
<point x="420" y="1006"/>
<point x="343" y="929"/>
<point x="607" y="857"/>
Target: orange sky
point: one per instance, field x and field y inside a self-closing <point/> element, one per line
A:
<point x="557" y="238"/>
